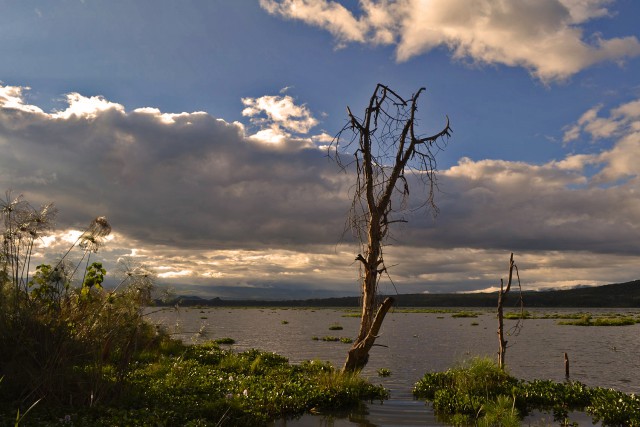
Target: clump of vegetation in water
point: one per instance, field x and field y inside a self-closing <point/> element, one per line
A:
<point x="205" y="385"/>
<point x="335" y="327"/>
<point x="424" y="310"/>
<point x="515" y="315"/>
<point x="331" y="338"/>
<point x="481" y="393"/>
<point x="465" y="314"/>
<point x="285" y="322"/>
<point x="384" y="372"/>
<point x="225" y="340"/>
<point x="351" y="314"/>
<point x="587" y="320"/>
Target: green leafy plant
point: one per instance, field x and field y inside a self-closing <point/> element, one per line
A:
<point x="384" y="372"/>
<point x="479" y="392"/>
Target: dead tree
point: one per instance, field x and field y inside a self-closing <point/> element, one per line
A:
<point x="502" y="349"/>
<point x="386" y="147"/>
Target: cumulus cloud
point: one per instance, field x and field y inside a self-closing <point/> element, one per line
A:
<point x="543" y="36"/>
<point x="220" y="213"/>
<point x="183" y="179"/>
<point x="11" y="97"/>
<point x="86" y="107"/>
<point x="623" y="125"/>
<point x="277" y="117"/>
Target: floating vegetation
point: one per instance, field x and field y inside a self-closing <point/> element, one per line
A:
<point x="335" y="327"/>
<point x="424" y="310"/>
<point x="479" y="391"/>
<point x="331" y="338"/>
<point x="225" y="340"/>
<point x="587" y="320"/>
<point x="384" y="372"/>
<point x="474" y="323"/>
<point x="285" y="322"/>
<point x="515" y="315"/>
<point x="204" y="385"/>
<point x="351" y="313"/>
<point x="465" y="314"/>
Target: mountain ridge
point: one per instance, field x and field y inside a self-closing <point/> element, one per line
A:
<point x="617" y="295"/>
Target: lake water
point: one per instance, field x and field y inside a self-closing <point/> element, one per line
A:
<point x="416" y="343"/>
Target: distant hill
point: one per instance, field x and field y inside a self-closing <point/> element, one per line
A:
<point x="620" y="295"/>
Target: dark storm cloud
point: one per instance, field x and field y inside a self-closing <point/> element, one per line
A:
<point x="185" y="180"/>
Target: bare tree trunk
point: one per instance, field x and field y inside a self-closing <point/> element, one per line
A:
<point x="358" y="355"/>
<point x="386" y="147"/>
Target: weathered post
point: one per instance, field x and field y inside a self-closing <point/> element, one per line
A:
<point x="501" y="294"/>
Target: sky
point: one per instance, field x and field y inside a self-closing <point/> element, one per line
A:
<point x="199" y="129"/>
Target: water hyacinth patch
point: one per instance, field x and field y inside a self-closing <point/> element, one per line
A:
<point x="478" y="392"/>
<point x="205" y="385"/>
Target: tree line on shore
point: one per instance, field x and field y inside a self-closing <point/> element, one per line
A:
<point x="618" y="295"/>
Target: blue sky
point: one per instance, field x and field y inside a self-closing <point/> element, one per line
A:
<point x="197" y="128"/>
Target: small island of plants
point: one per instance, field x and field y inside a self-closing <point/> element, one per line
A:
<point x="480" y="393"/>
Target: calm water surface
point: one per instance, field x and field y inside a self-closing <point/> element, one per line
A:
<point x="415" y="343"/>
